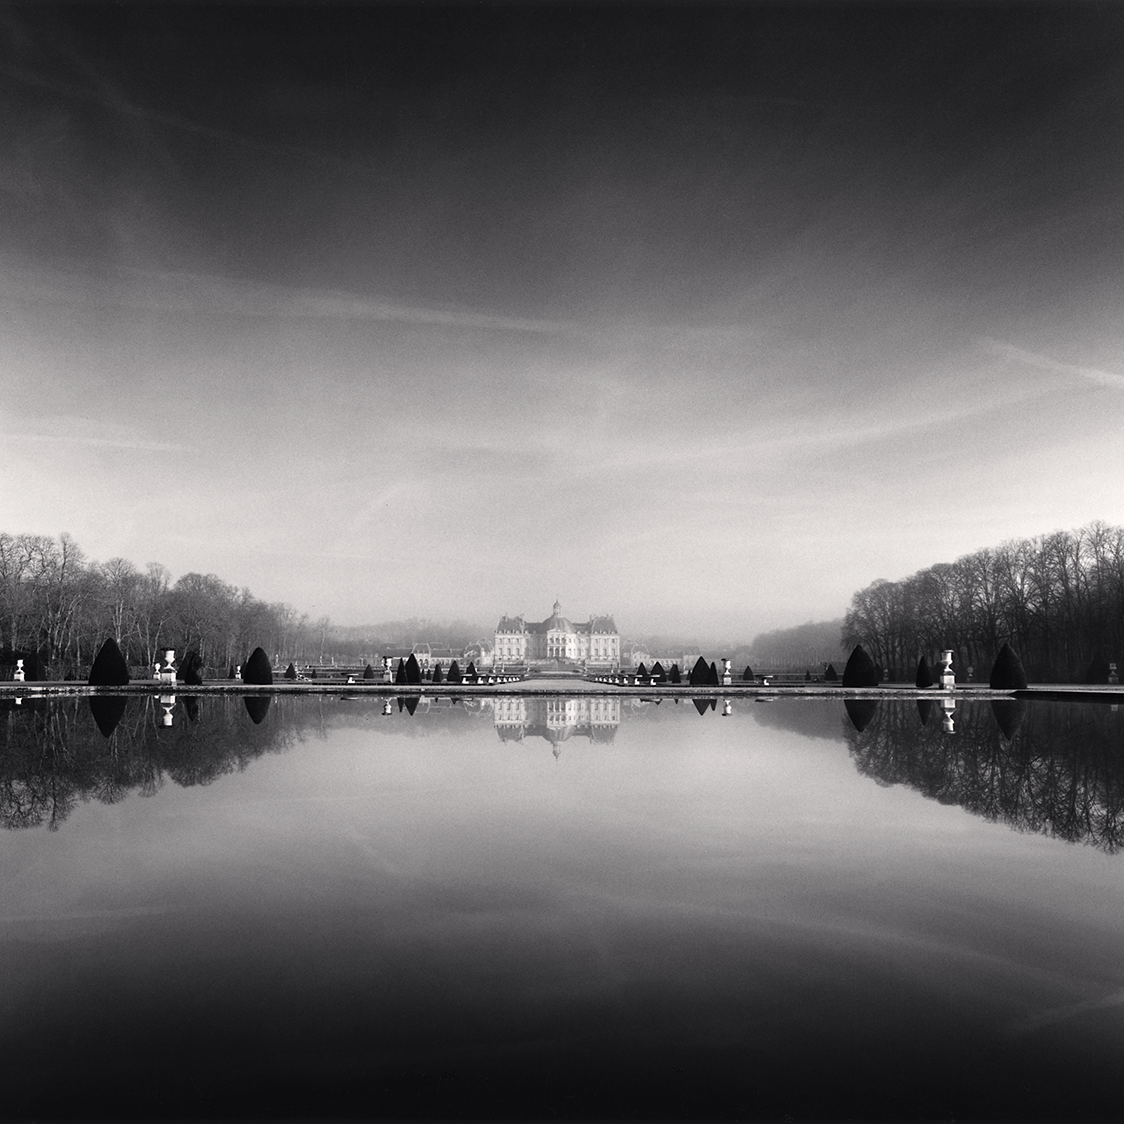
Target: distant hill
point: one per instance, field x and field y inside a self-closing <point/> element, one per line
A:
<point x="806" y="645"/>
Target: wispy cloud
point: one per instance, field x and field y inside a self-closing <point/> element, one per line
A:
<point x="1069" y="1011"/>
<point x="1048" y="363"/>
<point x="85" y="432"/>
<point x="208" y="294"/>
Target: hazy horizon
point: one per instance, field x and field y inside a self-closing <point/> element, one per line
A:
<point x="704" y="317"/>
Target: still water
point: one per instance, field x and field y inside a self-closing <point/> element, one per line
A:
<point x="560" y="908"/>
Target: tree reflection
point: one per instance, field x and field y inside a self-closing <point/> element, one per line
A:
<point x="1052" y="768"/>
<point x="58" y="753"/>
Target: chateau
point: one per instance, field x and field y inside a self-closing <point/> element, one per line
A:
<point x="557" y="641"/>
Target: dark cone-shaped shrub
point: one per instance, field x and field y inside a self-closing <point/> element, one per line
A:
<point x="107" y="711"/>
<point x="1007" y="672"/>
<point x="413" y="669"/>
<point x="437" y="675"/>
<point x="257" y="707"/>
<point x="924" y="710"/>
<point x="471" y="673"/>
<point x="191" y="670"/>
<point x="1009" y="715"/>
<point x="748" y="675"/>
<point x="860" y="670"/>
<point x="642" y="670"/>
<point x="312" y="673"/>
<point x="925" y="677"/>
<point x="291" y="671"/>
<point x="454" y="672"/>
<point x="860" y="711"/>
<point x="831" y="675"/>
<point x="712" y="676"/>
<point x="658" y="672"/>
<point x="674" y="675"/>
<point x="1097" y="671"/>
<point x="700" y="674"/>
<point x="231" y="672"/>
<point x="368" y="672"/>
<point x="400" y="674"/>
<point x="110" y="668"/>
<point x="257" y="670"/>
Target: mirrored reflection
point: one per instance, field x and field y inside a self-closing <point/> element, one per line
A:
<point x="556" y="719"/>
<point x="257" y="707"/>
<point x="108" y="710"/>
<point x="58" y="753"/>
<point x="703" y="705"/>
<point x="860" y="712"/>
<point x="1052" y="768"/>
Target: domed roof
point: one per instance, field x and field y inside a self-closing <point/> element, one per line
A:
<point x="557" y="621"/>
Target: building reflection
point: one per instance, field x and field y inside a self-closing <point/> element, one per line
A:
<point x="557" y="720"/>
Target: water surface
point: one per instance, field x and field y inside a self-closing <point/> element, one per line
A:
<point x="561" y="908"/>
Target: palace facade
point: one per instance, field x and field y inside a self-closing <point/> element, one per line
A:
<point x="557" y="641"/>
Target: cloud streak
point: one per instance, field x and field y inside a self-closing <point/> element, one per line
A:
<point x="1055" y="366"/>
<point x="208" y="294"/>
<point x="87" y="433"/>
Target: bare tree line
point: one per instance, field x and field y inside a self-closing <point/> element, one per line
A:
<point x="1058" y="599"/>
<point x="57" y="608"/>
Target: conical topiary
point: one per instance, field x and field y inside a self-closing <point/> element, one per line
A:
<point x="454" y="672"/>
<point x="470" y="672"/>
<point x="231" y="673"/>
<point x="1098" y="670"/>
<point x="400" y="673"/>
<point x="831" y="675"/>
<point x="642" y="670"/>
<point x="748" y="675"/>
<point x="925" y="676"/>
<point x="1007" y="672"/>
<point x="109" y="668"/>
<point x="712" y="676"/>
<point x="413" y="669"/>
<point x="700" y="674"/>
<point x="368" y="672"/>
<point x="860" y="670"/>
<point x="674" y="676"/>
<point x="291" y="671"/>
<point x="257" y="669"/>
<point x="658" y="672"/>
<point x="437" y="676"/>
<point x="191" y="670"/>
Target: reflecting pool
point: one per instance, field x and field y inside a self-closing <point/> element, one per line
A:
<point x="560" y="907"/>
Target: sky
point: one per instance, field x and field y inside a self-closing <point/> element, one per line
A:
<point x="701" y="316"/>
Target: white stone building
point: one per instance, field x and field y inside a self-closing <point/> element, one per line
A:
<point x="557" y="641"/>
